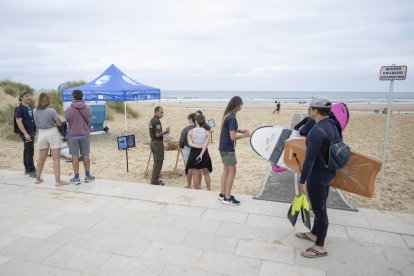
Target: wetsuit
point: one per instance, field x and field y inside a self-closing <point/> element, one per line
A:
<point x="317" y="176"/>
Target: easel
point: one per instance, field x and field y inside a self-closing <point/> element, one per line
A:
<point x="179" y="152"/>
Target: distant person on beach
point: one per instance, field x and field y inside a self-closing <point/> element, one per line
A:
<point x="25" y="126"/>
<point x="274" y="111"/>
<point x="78" y="115"/>
<point x="228" y="136"/>
<point x="46" y="120"/>
<point x="184" y="145"/>
<point x="157" y="146"/>
<point x="199" y="159"/>
<point x="315" y="177"/>
<point x="278" y="107"/>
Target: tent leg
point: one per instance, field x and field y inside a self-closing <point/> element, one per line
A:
<point x="126" y="124"/>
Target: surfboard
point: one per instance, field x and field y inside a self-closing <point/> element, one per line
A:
<point x="341" y="113"/>
<point x="269" y="142"/>
<point x="358" y="176"/>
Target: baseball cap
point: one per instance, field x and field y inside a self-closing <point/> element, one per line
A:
<point x="23" y="93"/>
<point x="320" y="102"/>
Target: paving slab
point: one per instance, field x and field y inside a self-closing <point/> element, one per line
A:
<point x="121" y="228"/>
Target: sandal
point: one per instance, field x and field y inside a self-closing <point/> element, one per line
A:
<point x="313" y="253"/>
<point x="304" y="236"/>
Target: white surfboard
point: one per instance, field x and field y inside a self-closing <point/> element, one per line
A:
<point x="269" y="142"/>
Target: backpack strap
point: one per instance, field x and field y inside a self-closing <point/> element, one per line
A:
<point x="82" y="115"/>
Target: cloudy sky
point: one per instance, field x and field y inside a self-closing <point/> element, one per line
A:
<point x="210" y="45"/>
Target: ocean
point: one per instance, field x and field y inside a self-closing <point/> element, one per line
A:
<point x="283" y="96"/>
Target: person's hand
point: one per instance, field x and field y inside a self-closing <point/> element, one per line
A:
<point x="27" y="137"/>
<point x="199" y="159"/>
<point x="246" y="134"/>
<point x="302" y="188"/>
<point x="167" y="130"/>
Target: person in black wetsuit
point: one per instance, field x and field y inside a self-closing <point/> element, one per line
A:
<point x="305" y="125"/>
<point x="315" y="177"/>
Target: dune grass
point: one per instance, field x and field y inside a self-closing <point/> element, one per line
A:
<point x="118" y="107"/>
<point x="14" y="88"/>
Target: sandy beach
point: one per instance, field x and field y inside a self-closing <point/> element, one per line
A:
<point x="365" y="131"/>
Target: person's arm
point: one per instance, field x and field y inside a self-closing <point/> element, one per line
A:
<point x="301" y="123"/>
<point x="205" y="145"/>
<point x="313" y="146"/>
<point x="56" y="118"/>
<point x="162" y="133"/>
<point x="239" y="134"/>
<point x="182" y="138"/>
<point x="304" y="130"/>
<point x="19" y="122"/>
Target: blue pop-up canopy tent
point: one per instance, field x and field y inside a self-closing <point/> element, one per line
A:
<point x="113" y="85"/>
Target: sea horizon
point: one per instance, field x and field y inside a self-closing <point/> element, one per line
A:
<point x="282" y="96"/>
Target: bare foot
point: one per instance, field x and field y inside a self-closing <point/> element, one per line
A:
<point x="61" y="183"/>
<point x="38" y="181"/>
<point x="187" y="187"/>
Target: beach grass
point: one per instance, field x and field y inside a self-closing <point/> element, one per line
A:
<point x="118" y="107"/>
<point x="14" y="88"/>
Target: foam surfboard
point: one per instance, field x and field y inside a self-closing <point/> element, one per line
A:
<point x="358" y="176"/>
<point x="269" y="142"/>
<point x="341" y="113"/>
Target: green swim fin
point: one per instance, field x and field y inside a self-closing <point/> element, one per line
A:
<point x="305" y="213"/>
<point x="295" y="208"/>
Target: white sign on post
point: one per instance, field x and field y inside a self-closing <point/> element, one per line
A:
<point x="393" y="72"/>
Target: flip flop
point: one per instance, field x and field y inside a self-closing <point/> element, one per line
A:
<point x="316" y="253"/>
<point x="38" y="181"/>
<point x="304" y="236"/>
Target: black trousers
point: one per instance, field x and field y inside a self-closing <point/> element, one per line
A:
<point x="318" y="190"/>
<point x="28" y="154"/>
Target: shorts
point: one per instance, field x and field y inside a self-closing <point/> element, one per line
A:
<point x="49" y="138"/>
<point x="228" y="158"/>
<point x="186" y="153"/>
<point x="79" y="146"/>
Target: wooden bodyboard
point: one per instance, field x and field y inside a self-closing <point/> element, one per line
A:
<point x="357" y="177"/>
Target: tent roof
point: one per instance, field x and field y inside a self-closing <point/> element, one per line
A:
<point x="114" y="85"/>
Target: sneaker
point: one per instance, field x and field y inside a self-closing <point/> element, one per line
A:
<point x="89" y="178"/>
<point x="230" y="201"/>
<point x="160" y="183"/>
<point x="75" y="181"/>
<point x="220" y="197"/>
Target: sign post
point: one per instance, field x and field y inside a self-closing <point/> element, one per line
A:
<point x="124" y="143"/>
<point x="390" y="73"/>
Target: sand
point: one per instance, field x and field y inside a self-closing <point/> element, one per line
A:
<point x="365" y="131"/>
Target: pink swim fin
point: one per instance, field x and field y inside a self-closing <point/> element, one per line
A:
<point x="277" y="168"/>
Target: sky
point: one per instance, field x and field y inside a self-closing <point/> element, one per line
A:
<point x="239" y="45"/>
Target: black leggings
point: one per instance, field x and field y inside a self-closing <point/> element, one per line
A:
<point x="318" y="190"/>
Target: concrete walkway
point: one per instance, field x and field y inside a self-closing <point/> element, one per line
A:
<point x="121" y="228"/>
